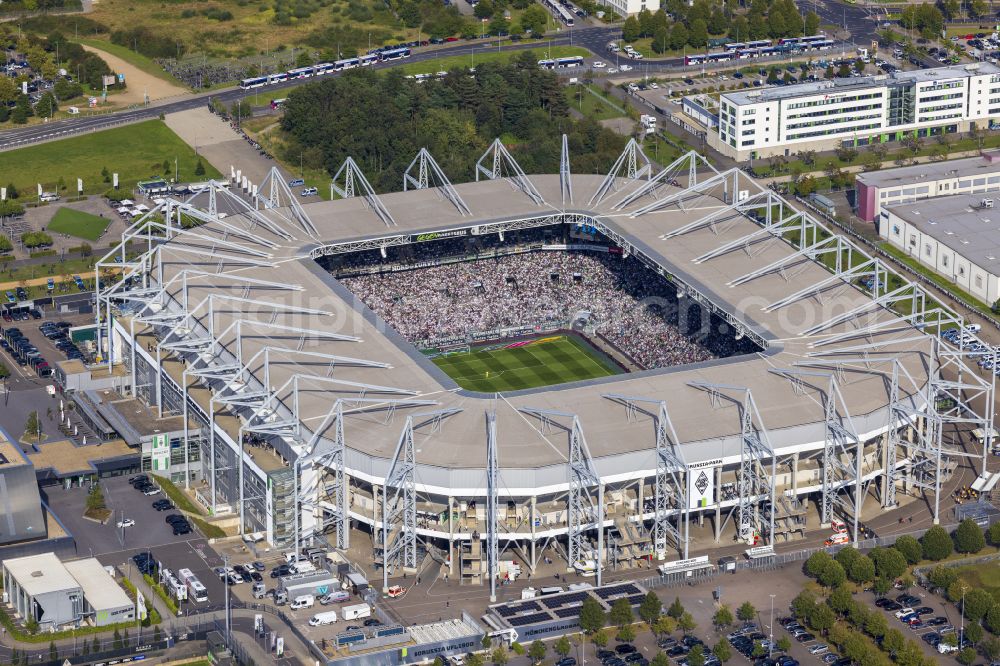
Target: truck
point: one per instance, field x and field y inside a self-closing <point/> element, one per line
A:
<point x="303" y="601"/>
<point x="356" y="611"/>
<point x="324" y="618"/>
<point x="648" y="122"/>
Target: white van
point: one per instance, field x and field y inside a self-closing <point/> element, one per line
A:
<point x="321" y="619"/>
<point x="304" y="601"/>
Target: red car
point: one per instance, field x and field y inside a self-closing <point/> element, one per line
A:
<point x="451" y="39"/>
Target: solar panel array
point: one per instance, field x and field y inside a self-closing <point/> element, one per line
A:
<point x="564" y="605"/>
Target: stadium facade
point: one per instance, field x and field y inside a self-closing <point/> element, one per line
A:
<point x="317" y="420"/>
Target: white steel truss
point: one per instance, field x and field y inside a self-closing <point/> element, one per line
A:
<point x="275" y="194"/>
<point x="730" y="182"/>
<point x="668" y="176"/>
<point x="429" y="174"/>
<point x="672" y="475"/>
<point x="631" y="165"/>
<point x="353" y="181"/>
<point x="492" y="503"/>
<point x="754" y="483"/>
<point x="497" y="162"/>
<point x="584" y="512"/>
<point x="565" y="177"/>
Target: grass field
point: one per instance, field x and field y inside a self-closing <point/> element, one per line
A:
<point x="487" y="55"/>
<point x="985" y="575"/>
<point x="134" y="152"/>
<point x="590" y="105"/>
<point x="78" y="224"/>
<point x="539" y="362"/>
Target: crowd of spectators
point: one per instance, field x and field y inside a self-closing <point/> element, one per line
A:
<point x="629" y="305"/>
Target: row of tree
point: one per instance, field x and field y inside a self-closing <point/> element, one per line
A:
<point x="389" y="118"/>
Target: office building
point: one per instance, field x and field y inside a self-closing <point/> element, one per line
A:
<point x="630" y="7"/>
<point x="889" y="187"/>
<point x="856" y="112"/>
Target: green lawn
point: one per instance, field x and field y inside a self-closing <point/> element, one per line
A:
<point x="78" y="223"/>
<point x="538" y="362"/>
<point x="489" y="55"/>
<point x="135" y="152"/>
<point x="136" y="59"/>
<point x="985" y="575"/>
<point x="589" y="104"/>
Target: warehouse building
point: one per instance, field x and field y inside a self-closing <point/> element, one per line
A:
<point x="957" y="237"/>
<point x="857" y="111"/>
<point x="889" y="187"/>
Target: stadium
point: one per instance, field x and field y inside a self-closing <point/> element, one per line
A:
<point x="576" y="367"/>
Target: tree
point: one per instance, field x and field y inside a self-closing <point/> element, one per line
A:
<point x="829" y="73"/>
<point x="95" y="645"/>
<point x="22" y="110"/>
<point x="966" y="656"/>
<point x="847" y="556"/>
<point x="95" y="499"/>
<point x="990" y="647"/>
<point x="500" y="656"/>
<point x="621" y="613"/>
<point x="650" y="608"/>
<point x="33" y="426"/>
<point x="822" y="617"/>
<point x="974" y="632"/>
<point x="562" y="646"/>
<point x="881" y="586"/>
<point x="676" y="609"/>
<point x="665" y="625"/>
<point x="698" y="36"/>
<point x="46" y="106"/>
<point x="537" y="651"/>
<point x="53" y="652"/>
<point x="993" y="534"/>
<point x="631" y="29"/>
<point x="600" y="638"/>
<point x="678" y="35"/>
<point x="660" y="660"/>
<point x="784" y="644"/>
<point x="863" y="570"/>
<point x="840" y="600"/>
<point x="687" y="623"/>
<point x="696" y="657"/>
<point x="723" y="617"/>
<point x="977" y="604"/>
<point x="117" y="640"/>
<point x="746" y="612"/>
<point x="833" y="574"/>
<point x="199" y="168"/>
<point x="534" y="19"/>
<point x="812" y="23"/>
<point x="942" y="577"/>
<point x="723" y="650"/>
<point x="859" y="66"/>
<point x="844" y="71"/>
<point x="936" y="543"/>
<point x="592" y="615"/>
<point x="803" y="603"/>
<point x="911" y="549"/>
<point x="474" y="659"/>
<point x="969" y="537"/>
<point x="484" y="9"/>
<point x="876" y="625"/>
<point x="817" y="562"/>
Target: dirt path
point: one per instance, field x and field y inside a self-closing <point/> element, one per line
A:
<point x="137" y="81"/>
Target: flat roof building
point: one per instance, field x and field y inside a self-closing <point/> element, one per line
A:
<point x="630" y="7"/>
<point x="889" y="187"/>
<point x="21" y="517"/>
<point x="857" y="111"/>
<point x="105" y="601"/>
<point x="42" y="588"/>
<point x="956" y="236"/>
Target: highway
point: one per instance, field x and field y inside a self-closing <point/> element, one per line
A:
<point x="861" y="27"/>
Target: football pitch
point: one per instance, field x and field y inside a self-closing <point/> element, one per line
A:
<point x="526" y="364"/>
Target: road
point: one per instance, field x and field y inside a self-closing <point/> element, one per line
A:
<point x="861" y="27"/>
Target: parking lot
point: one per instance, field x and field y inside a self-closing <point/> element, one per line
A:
<point x="47" y="347"/>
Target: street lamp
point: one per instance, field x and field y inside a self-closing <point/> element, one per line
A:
<point x="961" y="626"/>
<point x="770" y="629"/>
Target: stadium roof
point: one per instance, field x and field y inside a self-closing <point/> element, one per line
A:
<point x="379" y="364"/>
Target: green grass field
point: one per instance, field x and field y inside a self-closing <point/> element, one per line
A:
<point x="541" y="362"/>
<point x="135" y="152"/>
<point x="985" y="575"/>
<point x="78" y="224"/>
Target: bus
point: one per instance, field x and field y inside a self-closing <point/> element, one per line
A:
<point x="196" y="590"/>
<point x="571" y="61"/>
<point x="280" y="77"/>
<point x="346" y="63"/>
<point x="547" y="64"/>
<point x="278" y="103"/>
<point x="324" y="68"/>
<point x="255" y="82"/>
<point x="367" y="60"/>
<point x="708" y="58"/>
<point x="301" y="72"/>
<point x="394" y="54"/>
<point x="560" y="12"/>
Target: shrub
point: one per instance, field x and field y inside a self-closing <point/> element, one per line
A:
<point x="911" y="549"/>
<point x="937" y="544"/>
<point x="969" y="538"/>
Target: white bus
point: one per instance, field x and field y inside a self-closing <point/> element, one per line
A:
<point x="194" y="586"/>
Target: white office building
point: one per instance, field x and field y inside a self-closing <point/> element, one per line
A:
<point x="857" y="111"/>
<point x="630" y="7"/>
<point x="955" y="236"/>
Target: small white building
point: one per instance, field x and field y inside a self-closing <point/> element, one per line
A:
<point x="104" y="601"/>
<point x="39" y="587"/>
<point x="630" y="7"/>
<point x="955" y="236"/>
